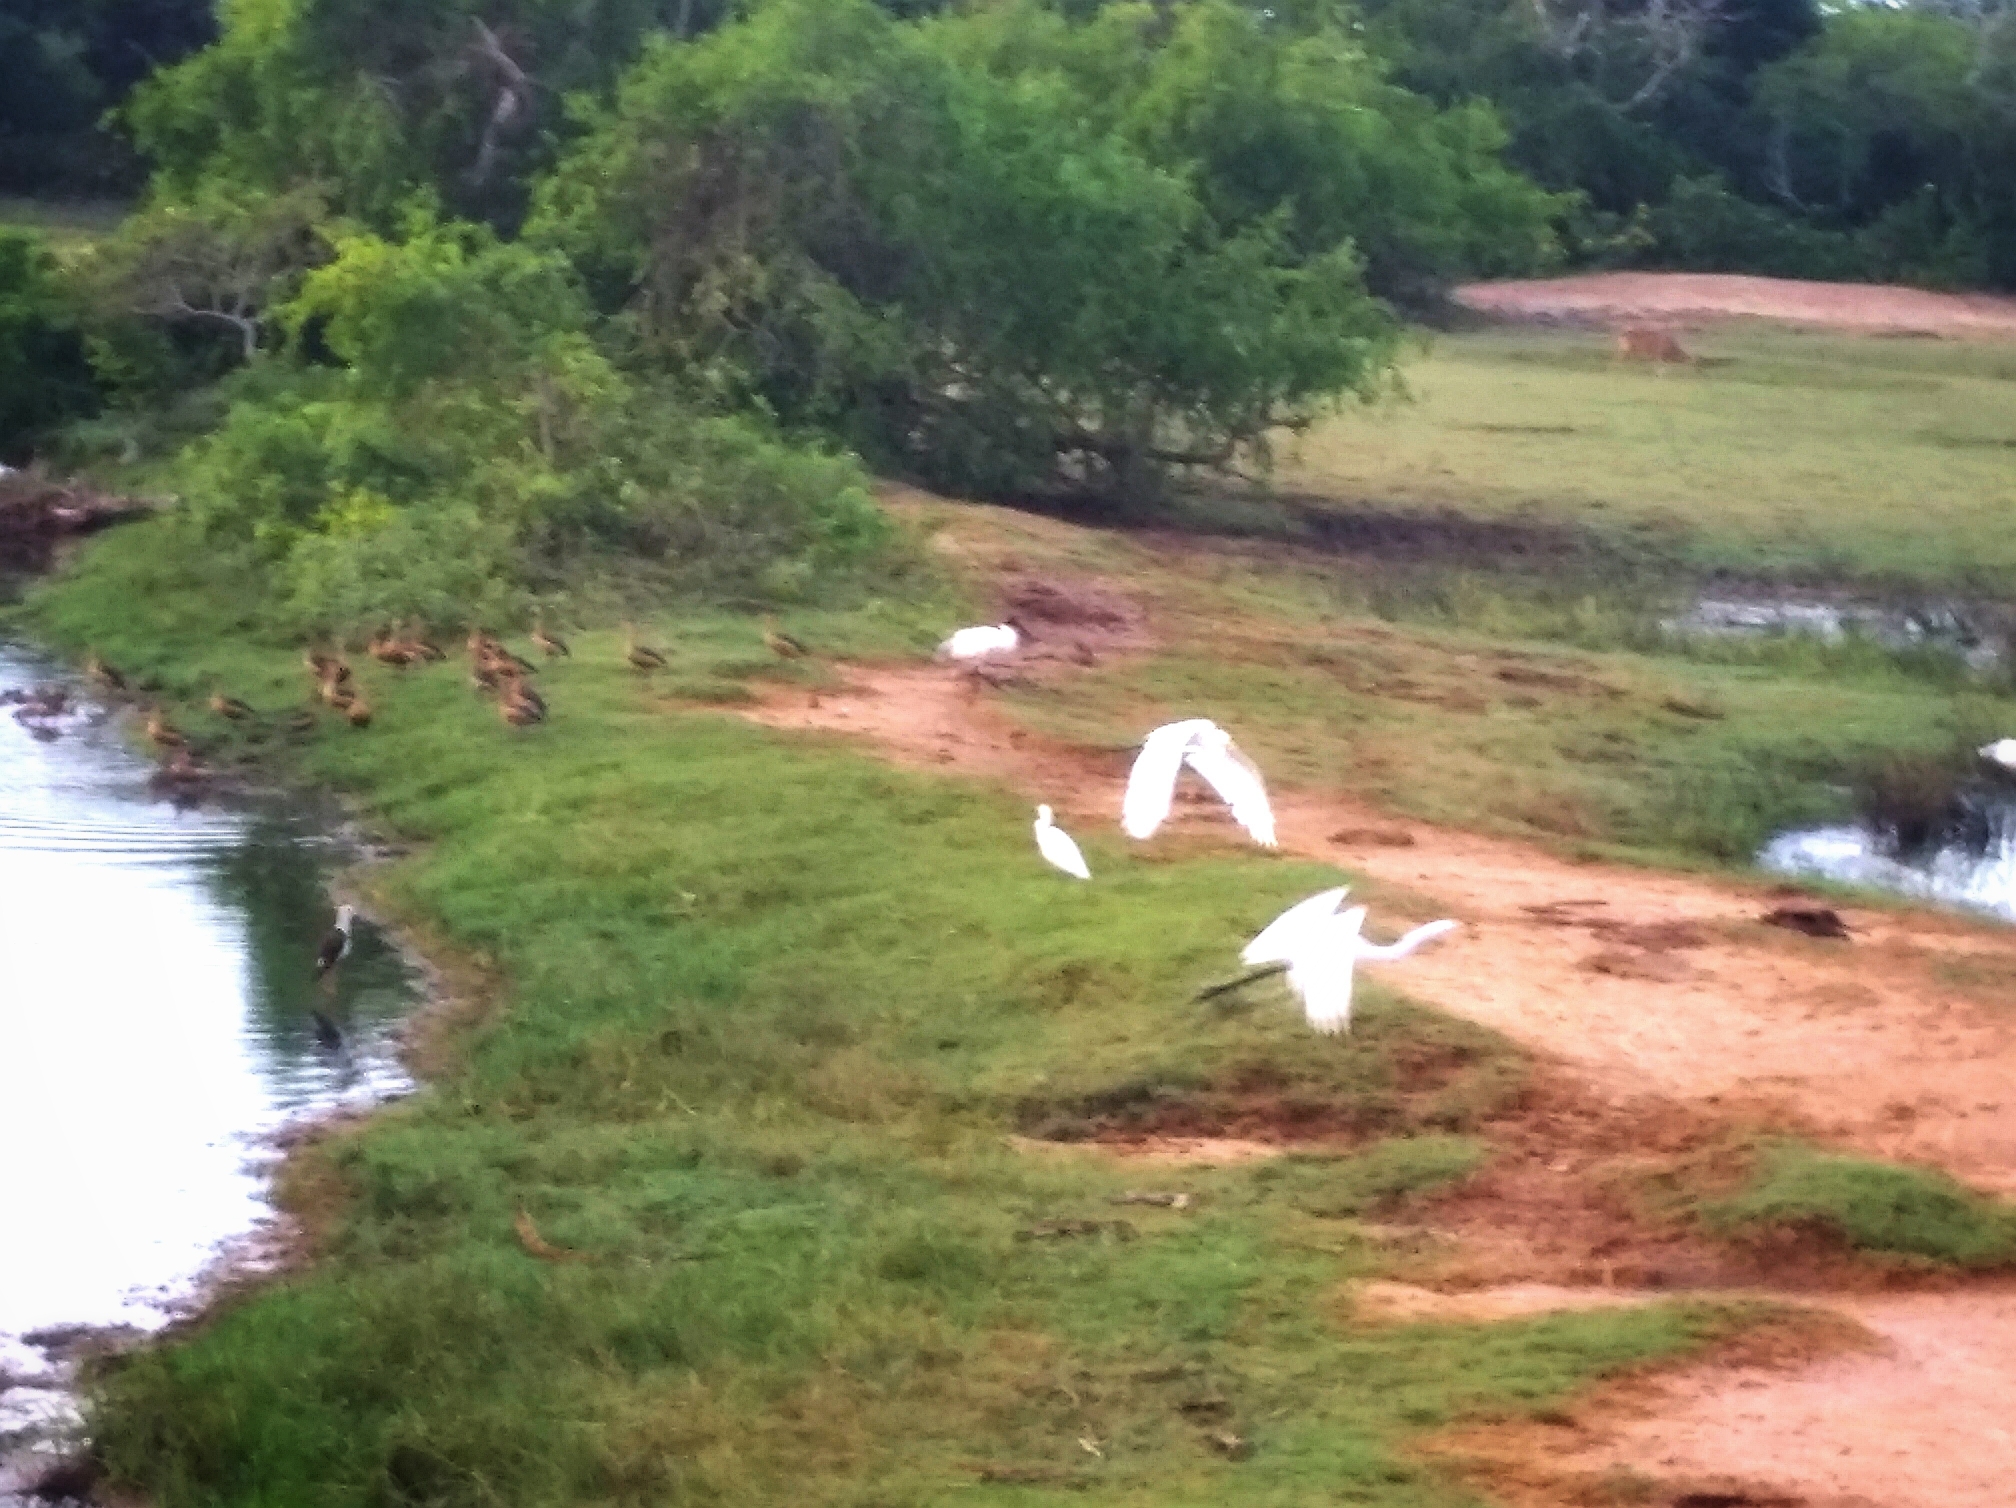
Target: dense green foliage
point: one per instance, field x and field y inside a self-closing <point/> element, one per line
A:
<point x="1782" y="137"/>
<point x="979" y="244"/>
<point x="1003" y="249"/>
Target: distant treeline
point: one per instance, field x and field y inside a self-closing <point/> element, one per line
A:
<point x="432" y="303"/>
<point x="1779" y="136"/>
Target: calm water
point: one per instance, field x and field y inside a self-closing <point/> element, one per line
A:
<point x="156" y="984"/>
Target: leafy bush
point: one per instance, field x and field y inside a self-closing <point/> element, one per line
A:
<point x="44" y="377"/>
<point x="1704" y="227"/>
<point x="474" y="437"/>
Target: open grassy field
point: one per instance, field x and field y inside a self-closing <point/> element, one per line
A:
<point x="1543" y="705"/>
<point x="1782" y="452"/>
<point x="754" y="1030"/>
<point x="758" y="1022"/>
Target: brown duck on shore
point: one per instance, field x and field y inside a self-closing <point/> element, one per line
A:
<point x="162" y="733"/>
<point x="640" y="656"/>
<point x="230" y="707"/>
<point x="387" y="650"/>
<point x="358" y="712"/>
<point x="335" y="693"/>
<point x="780" y="643"/>
<point x="102" y="672"/>
<point x="551" y="645"/>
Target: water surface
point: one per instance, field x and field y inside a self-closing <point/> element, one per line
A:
<point x="156" y="990"/>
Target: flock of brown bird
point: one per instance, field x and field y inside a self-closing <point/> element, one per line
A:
<point x="495" y="670"/>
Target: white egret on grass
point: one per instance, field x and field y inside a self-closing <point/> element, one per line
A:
<point x="1208" y="749"/>
<point x="1056" y="845"/>
<point x="2002" y="752"/>
<point x="980" y="641"/>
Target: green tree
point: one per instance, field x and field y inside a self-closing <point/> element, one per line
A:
<point x="984" y="244"/>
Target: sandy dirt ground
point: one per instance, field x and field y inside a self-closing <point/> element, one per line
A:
<point x="1652" y="986"/>
<point x="1618" y="298"/>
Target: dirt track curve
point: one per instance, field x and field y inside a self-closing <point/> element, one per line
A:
<point x="1894" y="1043"/>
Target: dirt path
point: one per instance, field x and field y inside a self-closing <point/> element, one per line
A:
<point x="1653" y="984"/>
<point x="1920" y="1418"/>
<point x="1643" y="982"/>
<point x="1656" y="297"/>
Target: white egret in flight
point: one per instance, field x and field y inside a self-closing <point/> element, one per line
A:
<point x="1057" y="846"/>
<point x="1208" y="749"/>
<point x="1321" y="948"/>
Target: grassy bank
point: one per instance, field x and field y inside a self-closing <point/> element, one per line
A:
<point x="1531" y="702"/>
<point x="764" y="1019"/>
<point x="1790" y="453"/>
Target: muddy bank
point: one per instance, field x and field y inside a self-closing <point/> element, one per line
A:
<point x="38" y="514"/>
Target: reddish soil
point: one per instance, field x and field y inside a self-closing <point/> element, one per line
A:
<point x="1645" y="983"/>
<point x="1917" y="1415"/>
<point x="1617" y="298"/>
<point x="1675" y="1010"/>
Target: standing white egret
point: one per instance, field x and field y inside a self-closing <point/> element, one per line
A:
<point x="1322" y="947"/>
<point x="1208" y="749"/>
<point x="2002" y="752"/>
<point x="980" y="641"/>
<point x="1057" y="846"/>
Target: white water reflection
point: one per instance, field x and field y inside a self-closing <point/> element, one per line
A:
<point x="1954" y="875"/>
<point x="156" y="989"/>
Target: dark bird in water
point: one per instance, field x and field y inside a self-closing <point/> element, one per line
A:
<point x="640" y="656"/>
<point x="551" y="645"/>
<point x="103" y="673"/>
<point x="781" y="644"/>
<point x="336" y="946"/>
<point x="230" y="707"/>
<point x="326" y="1034"/>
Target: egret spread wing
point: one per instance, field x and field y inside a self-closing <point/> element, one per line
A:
<point x="1151" y="784"/>
<point x="1276" y="942"/>
<point x="1237" y="781"/>
<point x="1321" y="970"/>
<point x="1405" y="944"/>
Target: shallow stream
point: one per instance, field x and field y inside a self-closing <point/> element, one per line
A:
<point x="156" y="1040"/>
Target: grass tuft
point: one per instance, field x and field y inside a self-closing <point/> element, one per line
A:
<point x="1873" y="1207"/>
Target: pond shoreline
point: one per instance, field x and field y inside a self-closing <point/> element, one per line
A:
<point x="42" y="1444"/>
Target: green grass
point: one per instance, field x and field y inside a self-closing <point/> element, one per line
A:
<point x="765" y="1017"/>
<point x="1785" y="452"/>
<point x="1874" y="1207"/>
<point x="1544" y="706"/>
<point x="67" y="226"/>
